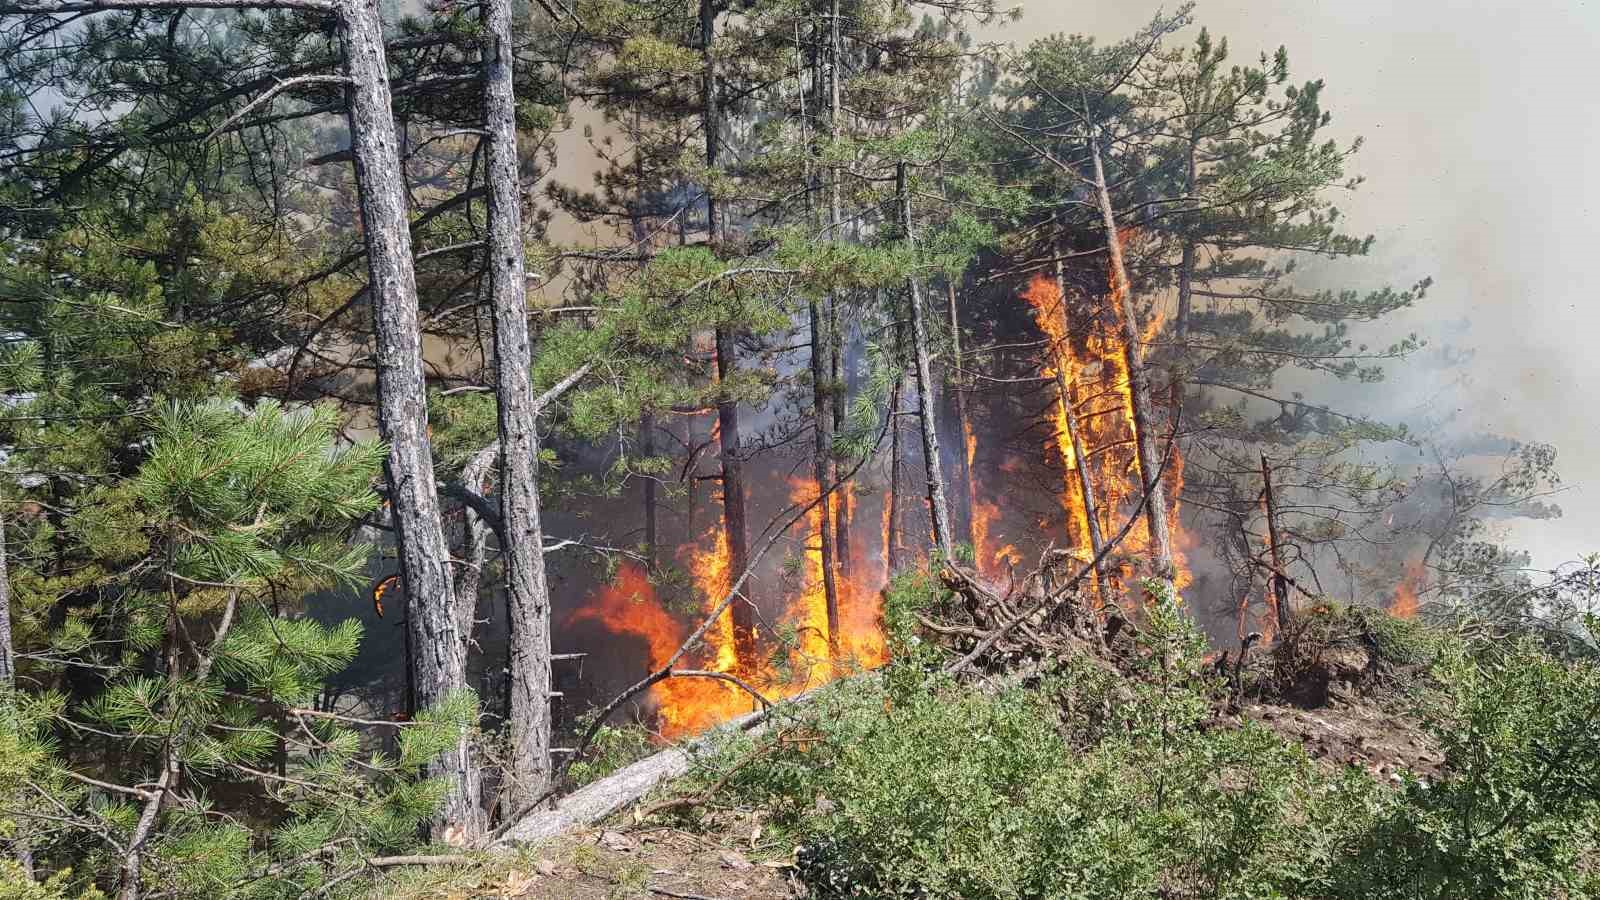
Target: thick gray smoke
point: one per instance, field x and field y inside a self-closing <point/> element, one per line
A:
<point x="1479" y="120"/>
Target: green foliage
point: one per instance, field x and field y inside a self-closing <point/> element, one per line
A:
<point x="232" y="513"/>
<point x="1515" y="815"/>
<point x="15" y="884"/>
<point x="1115" y="783"/>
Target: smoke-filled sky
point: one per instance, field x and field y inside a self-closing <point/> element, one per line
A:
<point x="1480" y="120"/>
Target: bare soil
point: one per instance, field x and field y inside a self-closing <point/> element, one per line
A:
<point x="623" y="863"/>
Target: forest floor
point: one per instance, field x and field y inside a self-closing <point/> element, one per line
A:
<point x="618" y="862"/>
<point x="728" y="857"/>
<point x="1344" y="706"/>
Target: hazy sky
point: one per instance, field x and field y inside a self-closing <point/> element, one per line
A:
<point x="1480" y="120"/>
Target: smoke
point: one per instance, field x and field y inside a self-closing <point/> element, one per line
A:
<point x="1478" y="118"/>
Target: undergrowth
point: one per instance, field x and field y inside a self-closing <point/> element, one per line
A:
<point x="1093" y="783"/>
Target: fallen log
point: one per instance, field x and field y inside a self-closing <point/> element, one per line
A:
<point x="594" y="802"/>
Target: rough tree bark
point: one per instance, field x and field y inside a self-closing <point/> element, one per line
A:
<point x="928" y="419"/>
<point x="733" y="492"/>
<point x="1138" y="376"/>
<point x="438" y="650"/>
<point x="839" y="391"/>
<point x="527" y="591"/>
<point x="822" y="466"/>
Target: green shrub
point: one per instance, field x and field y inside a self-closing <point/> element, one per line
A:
<point x="1514" y="814"/>
<point x="920" y="787"/>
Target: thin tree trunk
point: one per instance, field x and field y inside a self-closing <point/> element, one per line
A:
<point x="1069" y="407"/>
<point x="439" y="653"/>
<point x="8" y="678"/>
<point x="474" y="475"/>
<point x="822" y="467"/>
<point x="733" y="491"/>
<point x="938" y="508"/>
<point x="733" y="514"/>
<point x="893" y="552"/>
<point x="955" y="383"/>
<point x="838" y="387"/>
<point x="527" y="591"/>
<point x="8" y="651"/>
<point x="647" y="449"/>
<point x="1139" y="378"/>
<point x="1280" y="586"/>
<point x="824" y="471"/>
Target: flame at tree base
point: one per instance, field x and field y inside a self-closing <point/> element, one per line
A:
<point x="796" y="659"/>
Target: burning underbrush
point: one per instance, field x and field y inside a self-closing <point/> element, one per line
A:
<point x="1026" y="741"/>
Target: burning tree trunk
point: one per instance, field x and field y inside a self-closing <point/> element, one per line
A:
<point x="824" y="366"/>
<point x="937" y="507"/>
<point x="893" y="554"/>
<point x="733" y="517"/>
<point x="1138" y="377"/>
<point x="841" y="510"/>
<point x="823" y="468"/>
<point x="1069" y="410"/>
<point x="439" y="653"/>
<point x="955" y="384"/>
<point x="527" y="591"/>
<point x="733" y="492"/>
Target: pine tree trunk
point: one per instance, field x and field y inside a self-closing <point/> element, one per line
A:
<point x="733" y="491"/>
<point x="893" y="553"/>
<point x="647" y="449"/>
<point x="733" y="516"/>
<point x="822" y="467"/>
<point x="527" y="591"/>
<point x="1070" y="409"/>
<point x="838" y="387"/>
<point x="1139" y="378"/>
<point x="955" y="384"/>
<point x="938" y="508"/>
<point x="8" y="678"/>
<point x="1280" y="584"/>
<point x="439" y="653"/>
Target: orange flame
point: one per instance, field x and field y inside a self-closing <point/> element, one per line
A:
<point x="629" y="605"/>
<point x="1094" y="369"/>
<point x="1405" y="603"/>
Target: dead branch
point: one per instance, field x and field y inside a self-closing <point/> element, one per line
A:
<point x="1052" y="598"/>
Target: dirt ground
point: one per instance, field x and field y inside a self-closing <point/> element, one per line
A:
<point x="622" y="863"/>
<point x="1356" y="734"/>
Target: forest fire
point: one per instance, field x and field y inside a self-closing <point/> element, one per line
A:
<point x="1094" y="435"/>
<point x="630" y="605"/>
<point x="1405" y="603"/>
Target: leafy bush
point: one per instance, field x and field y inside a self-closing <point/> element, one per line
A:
<point x="1099" y="783"/>
<point x="1518" y="808"/>
<point x="921" y="787"/>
